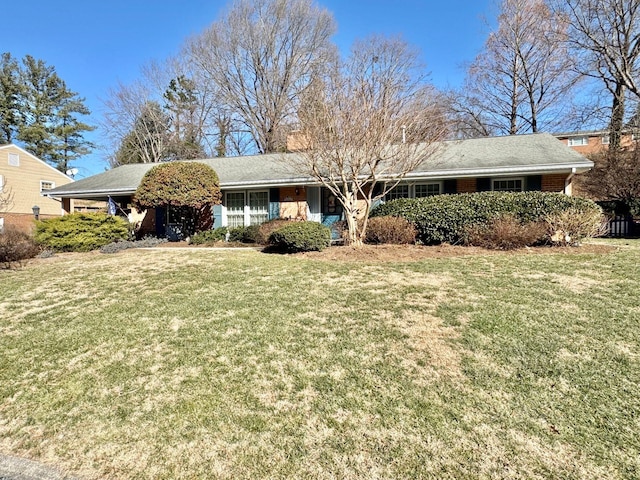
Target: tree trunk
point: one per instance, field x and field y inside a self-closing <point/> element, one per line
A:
<point x="617" y="118"/>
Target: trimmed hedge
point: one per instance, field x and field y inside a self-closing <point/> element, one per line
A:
<point x="300" y="237"/>
<point x="80" y="232"/>
<point x="447" y="218"/>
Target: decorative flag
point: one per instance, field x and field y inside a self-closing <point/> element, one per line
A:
<point x="112" y="208"/>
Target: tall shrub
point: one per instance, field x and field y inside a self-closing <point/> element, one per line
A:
<point x="80" y="232"/>
<point x="190" y="188"/>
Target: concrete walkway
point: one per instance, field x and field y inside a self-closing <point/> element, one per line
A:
<point x="14" y="468"/>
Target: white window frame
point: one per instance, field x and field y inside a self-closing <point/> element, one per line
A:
<point x="248" y="206"/>
<point x="509" y="179"/>
<point x="606" y="139"/>
<point x="580" y="141"/>
<point x="225" y="209"/>
<point x="1" y="183"/>
<point x="53" y="185"/>
<point x="387" y="197"/>
<point x="246" y="211"/>
<point x="13" y="159"/>
<point x="439" y="184"/>
<point x="1" y="224"/>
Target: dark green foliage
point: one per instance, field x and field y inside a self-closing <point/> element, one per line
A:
<point x="247" y="234"/>
<point x="267" y="228"/>
<point x="301" y="237"/>
<point x="178" y="184"/>
<point x="210" y="236"/>
<point x="506" y="233"/>
<point x="48" y="124"/>
<point x="11" y="93"/>
<point x="394" y="230"/>
<point x="16" y="246"/>
<point x="446" y="218"/>
<point x="80" y="232"/>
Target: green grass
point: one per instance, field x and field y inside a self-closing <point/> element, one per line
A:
<point x="203" y="364"/>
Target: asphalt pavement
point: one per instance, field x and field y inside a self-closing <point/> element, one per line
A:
<point x="14" y="468"/>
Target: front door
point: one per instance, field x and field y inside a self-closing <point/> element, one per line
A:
<point x="314" y="206"/>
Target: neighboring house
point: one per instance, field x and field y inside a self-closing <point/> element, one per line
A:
<point x="26" y="179"/>
<point x="594" y="141"/>
<point x="262" y="187"/>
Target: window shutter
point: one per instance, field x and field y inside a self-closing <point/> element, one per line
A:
<point x="450" y="186"/>
<point x="483" y="184"/>
<point x="533" y="182"/>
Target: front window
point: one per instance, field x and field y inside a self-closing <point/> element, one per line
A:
<point x="46" y="185"/>
<point x="258" y="207"/>
<point x="507" y="185"/>
<point x="235" y="209"/>
<point x="399" y="191"/>
<point x="427" y="190"/>
<point x="578" y="141"/>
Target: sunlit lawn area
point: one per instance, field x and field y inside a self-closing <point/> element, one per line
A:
<point x="237" y="364"/>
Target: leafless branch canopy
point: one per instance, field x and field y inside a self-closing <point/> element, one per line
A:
<point x="262" y="55"/>
<point x="369" y="122"/>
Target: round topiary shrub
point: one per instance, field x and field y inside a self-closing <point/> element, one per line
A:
<point x="267" y="228"/>
<point x="300" y="237"/>
<point x="80" y="232"/>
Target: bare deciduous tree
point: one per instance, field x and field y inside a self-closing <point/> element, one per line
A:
<point x="604" y="36"/>
<point x="6" y="198"/>
<point x="262" y="54"/>
<point x="520" y="81"/>
<point x="369" y="123"/>
<point x="615" y="176"/>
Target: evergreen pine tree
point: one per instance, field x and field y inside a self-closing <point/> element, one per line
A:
<point x="11" y="92"/>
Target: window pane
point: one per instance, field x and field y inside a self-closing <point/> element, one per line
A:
<point x="258" y="207"/>
<point x="235" y="209"/>
<point x="511" y="185"/>
<point x="427" y="190"/>
<point x="401" y="191"/>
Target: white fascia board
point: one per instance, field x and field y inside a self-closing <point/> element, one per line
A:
<point x="488" y="172"/>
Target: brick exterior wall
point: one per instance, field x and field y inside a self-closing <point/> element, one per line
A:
<point x="466" y="185"/>
<point x="22" y="221"/>
<point x="553" y="183"/>
<point x="293" y="205"/>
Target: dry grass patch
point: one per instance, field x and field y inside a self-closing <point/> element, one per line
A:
<point x="223" y="364"/>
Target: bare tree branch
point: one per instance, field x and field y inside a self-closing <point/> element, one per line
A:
<point x="369" y="123"/>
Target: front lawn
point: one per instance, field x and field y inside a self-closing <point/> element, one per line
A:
<point x="237" y="364"/>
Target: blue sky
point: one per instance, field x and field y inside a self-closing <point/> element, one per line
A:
<point x="94" y="45"/>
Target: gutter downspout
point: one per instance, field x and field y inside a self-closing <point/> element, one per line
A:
<point x="567" y="182"/>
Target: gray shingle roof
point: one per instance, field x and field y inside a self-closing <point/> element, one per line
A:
<point x="522" y="154"/>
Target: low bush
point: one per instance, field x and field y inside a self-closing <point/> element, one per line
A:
<point x="300" y="237"/>
<point x="506" y="233"/>
<point x="146" y="242"/>
<point x="571" y="226"/>
<point x="446" y="218"/>
<point x="267" y="228"/>
<point x="394" y="230"/>
<point x="247" y="234"/>
<point x="210" y="236"/>
<point x="16" y="246"/>
<point x="80" y="232"/>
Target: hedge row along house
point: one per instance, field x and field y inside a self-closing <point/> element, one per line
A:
<point x="263" y="187"/>
<point x="24" y="182"/>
